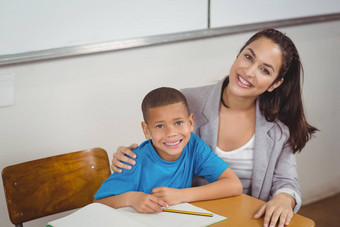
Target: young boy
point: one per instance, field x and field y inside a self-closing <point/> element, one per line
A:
<point x="167" y="161"/>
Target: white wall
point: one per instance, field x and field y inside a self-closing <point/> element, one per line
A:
<point x="38" y="25"/>
<point x="230" y="12"/>
<point x="94" y="101"/>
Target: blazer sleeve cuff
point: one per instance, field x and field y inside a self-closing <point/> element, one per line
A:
<point x="294" y="194"/>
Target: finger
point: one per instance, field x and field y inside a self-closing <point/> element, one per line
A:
<point x="267" y="217"/>
<point x="128" y="150"/>
<point x="160" y="203"/>
<point x="114" y="165"/>
<point x="154" y="206"/>
<point x="157" y="193"/>
<point x="121" y="155"/>
<point x="133" y="146"/>
<point x="289" y="217"/>
<point x="117" y="165"/>
<point x="260" y="212"/>
<point x="283" y="218"/>
<point x="154" y="190"/>
<point x="157" y="189"/>
<point x="115" y="169"/>
<point x="163" y="204"/>
<point x="274" y="217"/>
<point x="146" y="209"/>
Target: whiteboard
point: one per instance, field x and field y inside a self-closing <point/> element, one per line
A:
<point x="33" y="25"/>
<point x="230" y="12"/>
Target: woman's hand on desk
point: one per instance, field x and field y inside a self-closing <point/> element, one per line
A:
<point x="120" y="156"/>
<point x="279" y="211"/>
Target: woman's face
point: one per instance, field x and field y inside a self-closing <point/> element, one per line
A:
<point x="255" y="69"/>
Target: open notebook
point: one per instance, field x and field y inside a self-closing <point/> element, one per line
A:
<point x="96" y="214"/>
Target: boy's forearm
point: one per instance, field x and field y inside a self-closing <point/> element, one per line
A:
<point x="218" y="189"/>
<point x="228" y="184"/>
<point x="116" y="201"/>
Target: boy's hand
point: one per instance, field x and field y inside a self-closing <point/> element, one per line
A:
<point x="171" y="196"/>
<point x="278" y="211"/>
<point x="146" y="203"/>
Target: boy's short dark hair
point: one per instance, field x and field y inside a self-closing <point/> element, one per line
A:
<point x="161" y="97"/>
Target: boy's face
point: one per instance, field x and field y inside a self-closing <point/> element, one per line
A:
<point x="169" y="127"/>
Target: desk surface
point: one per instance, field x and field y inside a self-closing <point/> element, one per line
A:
<point x="240" y="211"/>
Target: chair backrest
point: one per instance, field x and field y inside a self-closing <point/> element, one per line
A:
<point x="55" y="184"/>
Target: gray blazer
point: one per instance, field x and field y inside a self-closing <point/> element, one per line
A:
<point x="274" y="164"/>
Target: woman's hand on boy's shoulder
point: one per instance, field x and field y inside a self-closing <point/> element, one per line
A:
<point x="120" y="156"/>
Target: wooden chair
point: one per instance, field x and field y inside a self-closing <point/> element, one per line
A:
<point x="55" y="184"/>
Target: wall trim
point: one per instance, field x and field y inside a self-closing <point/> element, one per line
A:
<point x="157" y="40"/>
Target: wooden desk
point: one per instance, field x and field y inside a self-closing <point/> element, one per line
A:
<point x="240" y="211"/>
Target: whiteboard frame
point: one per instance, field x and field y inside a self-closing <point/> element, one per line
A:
<point x="72" y="51"/>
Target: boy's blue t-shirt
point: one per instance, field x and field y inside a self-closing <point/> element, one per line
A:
<point x="151" y="171"/>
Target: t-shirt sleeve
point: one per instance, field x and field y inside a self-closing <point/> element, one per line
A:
<point x="116" y="184"/>
<point x="207" y="163"/>
<point x="119" y="183"/>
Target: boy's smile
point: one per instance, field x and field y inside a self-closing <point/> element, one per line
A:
<point x="173" y="145"/>
<point x="169" y="128"/>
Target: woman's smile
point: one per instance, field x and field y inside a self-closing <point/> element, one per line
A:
<point x="243" y="82"/>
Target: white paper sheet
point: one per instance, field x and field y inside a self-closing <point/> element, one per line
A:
<point x="97" y="214"/>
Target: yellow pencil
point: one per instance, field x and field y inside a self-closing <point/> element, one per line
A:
<point x="188" y="212"/>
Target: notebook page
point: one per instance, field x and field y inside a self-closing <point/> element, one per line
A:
<point x="96" y="214"/>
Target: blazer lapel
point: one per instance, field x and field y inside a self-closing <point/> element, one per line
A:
<point x="262" y="151"/>
<point x="211" y="112"/>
